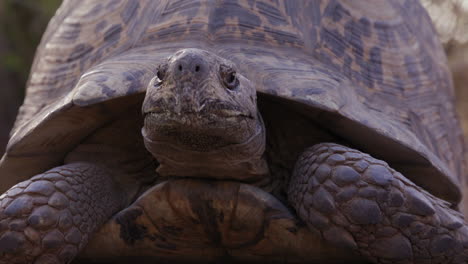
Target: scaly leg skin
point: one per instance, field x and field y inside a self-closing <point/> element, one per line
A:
<point x="353" y="200"/>
<point x="49" y="218"/>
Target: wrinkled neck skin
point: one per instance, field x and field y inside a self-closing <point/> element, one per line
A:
<point x="242" y="162"/>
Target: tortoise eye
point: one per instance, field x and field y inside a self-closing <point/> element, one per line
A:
<point x="229" y="77"/>
<point x="161" y="74"/>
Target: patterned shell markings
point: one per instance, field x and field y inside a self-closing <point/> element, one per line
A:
<point x="79" y="36"/>
<point x="391" y="51"/>
<point x="401" y="72"/>
<point x="381" y="54"/>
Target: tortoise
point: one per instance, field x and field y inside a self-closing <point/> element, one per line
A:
<point x="286" y="131"/>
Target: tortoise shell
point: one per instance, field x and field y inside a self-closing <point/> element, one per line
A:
<point x="373" y="72"/>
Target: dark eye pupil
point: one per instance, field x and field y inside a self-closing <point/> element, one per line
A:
<point x="160" y="75"/>
<point x="231" y="77"/>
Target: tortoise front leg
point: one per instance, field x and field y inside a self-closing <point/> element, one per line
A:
<point x="359" y="202"/>
<point x="49" y="218"/>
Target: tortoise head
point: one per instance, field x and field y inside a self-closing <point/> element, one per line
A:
<point x="201" y="119"/>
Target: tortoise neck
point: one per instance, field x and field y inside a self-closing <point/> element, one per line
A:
<point x="244" y="161"/>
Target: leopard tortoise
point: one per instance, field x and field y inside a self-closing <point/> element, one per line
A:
<point x="288" y="131"/>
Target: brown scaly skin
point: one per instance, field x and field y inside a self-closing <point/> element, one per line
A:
<point x="49" y="218"/>
<point x="359" y="202"/>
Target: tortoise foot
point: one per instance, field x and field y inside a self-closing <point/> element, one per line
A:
<point x="49" y="218"/>
<point x="360" y="203"/>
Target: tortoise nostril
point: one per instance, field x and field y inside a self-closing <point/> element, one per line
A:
<point x="180" y="67"/>
<point x="197" y="68"/>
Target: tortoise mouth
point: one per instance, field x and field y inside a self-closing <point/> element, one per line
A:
<point x="209" y="109"/>
<point x="212" y="126"/>
<point x="192" y="117"/>
<point x="198" y="132"/>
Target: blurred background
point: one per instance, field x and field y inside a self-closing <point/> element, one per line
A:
<point x="22" y="23"/>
